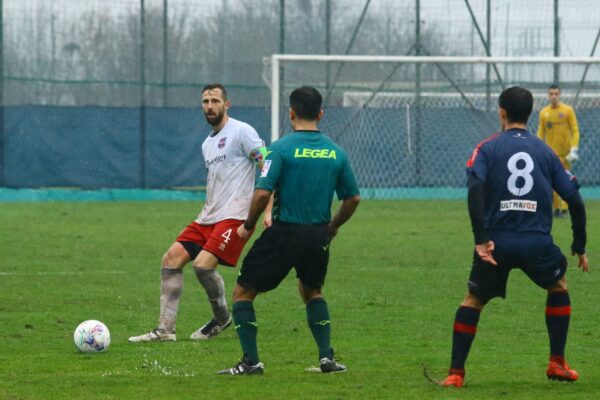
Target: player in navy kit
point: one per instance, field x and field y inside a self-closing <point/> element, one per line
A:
<point x="511" y="177"/>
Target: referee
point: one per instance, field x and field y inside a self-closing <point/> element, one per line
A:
<point x="302" y="170"/>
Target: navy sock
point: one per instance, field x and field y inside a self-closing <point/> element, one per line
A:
<point x="465" y="327"/>
<point x="558" y="314"/>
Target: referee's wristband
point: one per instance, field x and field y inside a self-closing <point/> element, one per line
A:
<point x="248" y="227"/>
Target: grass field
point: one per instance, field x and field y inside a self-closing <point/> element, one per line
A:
<point x="397" y="273"/>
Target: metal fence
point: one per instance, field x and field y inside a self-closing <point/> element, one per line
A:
<point x="104" y="52"/>
<point x="156" y="54"/>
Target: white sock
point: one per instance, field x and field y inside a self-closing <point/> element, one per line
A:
<point x="171" y="288"/>
<point x="214" y="286"/>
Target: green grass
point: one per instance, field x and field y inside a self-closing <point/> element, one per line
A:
<point x="397" y="273"/>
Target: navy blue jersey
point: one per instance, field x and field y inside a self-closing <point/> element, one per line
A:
<point x="520" y="172"/>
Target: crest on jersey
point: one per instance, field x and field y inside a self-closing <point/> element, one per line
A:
<point x="561" y="115"/>
<point x="222" y="142"/>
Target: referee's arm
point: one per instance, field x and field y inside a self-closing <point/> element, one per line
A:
<point x="344" y="213"/>
<point x="260" y="199"/>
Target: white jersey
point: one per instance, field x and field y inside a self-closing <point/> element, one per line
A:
<point x="231" y="172"/>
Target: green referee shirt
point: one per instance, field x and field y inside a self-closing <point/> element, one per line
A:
<point x="304" y="169"/>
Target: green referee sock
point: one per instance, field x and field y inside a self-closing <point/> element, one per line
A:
<point x="317" y="315"/>
<point x="245" y="326"/>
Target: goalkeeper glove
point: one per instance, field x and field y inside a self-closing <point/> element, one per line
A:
<point x="573" y="155"/>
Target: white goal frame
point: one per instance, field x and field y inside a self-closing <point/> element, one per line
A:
<point x="277" y="59"/>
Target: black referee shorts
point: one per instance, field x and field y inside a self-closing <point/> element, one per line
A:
<point x="282" y="247"/>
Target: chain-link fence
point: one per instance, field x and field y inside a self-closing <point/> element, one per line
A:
<point x="409" y="125"/>
<point x="105" y="93"/>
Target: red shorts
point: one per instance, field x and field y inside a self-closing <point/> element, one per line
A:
<point x="220" y="239"/>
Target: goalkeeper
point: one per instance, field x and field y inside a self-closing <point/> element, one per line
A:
<point x="559" y="129"/>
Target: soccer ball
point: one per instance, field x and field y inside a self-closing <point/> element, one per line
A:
<point x="91" y="336"/>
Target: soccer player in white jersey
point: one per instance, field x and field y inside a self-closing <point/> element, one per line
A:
<point x="231" y="152"/>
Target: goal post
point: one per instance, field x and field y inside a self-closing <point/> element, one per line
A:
<point x="411" y="122"/>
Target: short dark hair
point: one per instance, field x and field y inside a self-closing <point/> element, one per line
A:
<point x="517" y="102"/>
<point x="212" y="86"/>
<point x="554" y="86"/>
<point x="306" y="102"/>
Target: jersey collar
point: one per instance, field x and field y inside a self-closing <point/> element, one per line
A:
<point x="518" y="130"/>
<point x="213" y="133"/>
<point x="307" y="131"/>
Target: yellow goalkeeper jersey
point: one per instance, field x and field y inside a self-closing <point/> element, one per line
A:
<point x="558" y="128"/>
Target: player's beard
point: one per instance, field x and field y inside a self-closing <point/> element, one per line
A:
<point x="215" y="119"/>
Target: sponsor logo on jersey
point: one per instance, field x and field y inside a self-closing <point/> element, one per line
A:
<point x="549" y="125"/>
<point x="222" y="142"/>
<point x="518" y="205"/>
<point x="265" y="169"/>
<point x="215" y="160"/>
<point x="315" y="153"/>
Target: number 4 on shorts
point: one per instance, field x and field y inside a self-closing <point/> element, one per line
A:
<point x="227" y="235"/>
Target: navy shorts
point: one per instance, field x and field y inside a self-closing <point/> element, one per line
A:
<point x="535" y="254"/>
<point x="283" y="247"/>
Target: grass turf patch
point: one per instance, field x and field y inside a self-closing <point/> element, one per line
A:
<point x="398" y="271"/>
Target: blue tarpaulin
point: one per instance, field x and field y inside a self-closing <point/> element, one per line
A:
<point x="101" y="147"/>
